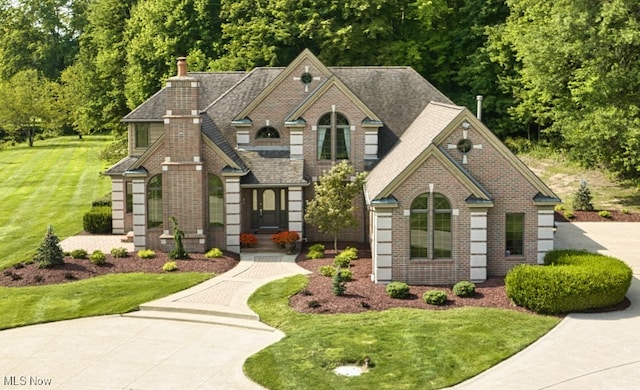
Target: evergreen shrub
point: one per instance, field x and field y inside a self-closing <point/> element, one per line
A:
<point x="98" y="257"/>
<point x="170" y="266"/>
<point x="119" y="252"/>
<point x="338" y="285"/>
<point x="146" y="254"/>
<point x="570" y="281"/>
<point x="213" y="253"/>
<point x="464" y="289"/>
<point x="49" y="253"/>
<point x="435" y="297"/>
<point x="399" y="290"/>
<point x="98" y="220"/>
<point x="79" y="254"/>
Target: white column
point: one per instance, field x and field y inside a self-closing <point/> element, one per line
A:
<point x="545" y="233"/>
<point x="139" y="214"/>
<point x="232" y="211"/>
<point x="296" y="142"/>
<point x="382" y="246"/>
<point x="295" y="209"/>
<point x="118" y="205"/>
<point x="478" y="246"/>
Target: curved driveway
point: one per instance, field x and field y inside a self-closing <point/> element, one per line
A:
<point x="585" y="351"/>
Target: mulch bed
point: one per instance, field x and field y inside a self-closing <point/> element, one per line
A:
<point x="592" y="216"/>
<point x="21" y="275"/>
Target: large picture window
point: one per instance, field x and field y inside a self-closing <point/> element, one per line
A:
<point x="514" y="229"/>
<point x="430" y="220"/>
<point x="216" y="201"/>
<point x="154" y="201"/>
<point x="334" y="137"/>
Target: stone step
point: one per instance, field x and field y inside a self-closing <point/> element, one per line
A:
<point x="200" y="309"/>
<point x="201" y="318"/>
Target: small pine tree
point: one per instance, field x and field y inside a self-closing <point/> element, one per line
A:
<point x="582" y="198"/>
<point x="49" y="252"/>
<point x="178" y="251"/>
<point x="338" y="285"/>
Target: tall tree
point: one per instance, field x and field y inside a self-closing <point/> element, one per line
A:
<point x="158" y="32"/>
<point x="577" y="73"/>
<point x="28" y="106"/>
<point x="331" y="209"/>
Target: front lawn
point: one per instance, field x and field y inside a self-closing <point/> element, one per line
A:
<point x="109" y="294"/>
<point x="54" y="183"/>
<point x="408" y="348"/>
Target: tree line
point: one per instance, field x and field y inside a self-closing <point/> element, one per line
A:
<point x="564" y="72"/>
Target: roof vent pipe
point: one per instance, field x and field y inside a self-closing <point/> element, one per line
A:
<point x="182" y="66"/>
<point x="479" y="107"/>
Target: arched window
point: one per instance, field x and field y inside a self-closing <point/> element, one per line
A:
<point x="441" y="227"/>
<point x="430" y="225"/>
<point x="154" y="201"/>
<point x="334" y="137"/>
<point x="419" y="221"/>
<point x="267" y="132"/>
<point x="216" y="201"/>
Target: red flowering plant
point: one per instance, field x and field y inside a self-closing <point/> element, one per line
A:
<point x="283" y="238"/>
<point x="248" y="239"/>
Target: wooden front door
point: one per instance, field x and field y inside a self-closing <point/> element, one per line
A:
<point x="269" y="209"/>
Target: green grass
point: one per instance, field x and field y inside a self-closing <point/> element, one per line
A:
<point x="54" y="183"/>
<point x="109" y="294"/>
<point x="408" y="348"/>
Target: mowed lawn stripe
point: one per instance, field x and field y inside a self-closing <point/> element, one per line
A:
<point x="52" y="183"/>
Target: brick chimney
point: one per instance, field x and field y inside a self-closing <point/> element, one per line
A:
<point x="183" y="173"/>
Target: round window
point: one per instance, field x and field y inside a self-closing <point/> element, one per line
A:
<point x="306" y="78"/>
<point x="464" y="145"/>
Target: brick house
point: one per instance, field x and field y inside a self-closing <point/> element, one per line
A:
<point x="232" y="152"/>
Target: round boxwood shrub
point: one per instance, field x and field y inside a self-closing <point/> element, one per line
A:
<point x="464" y="289"/>
<point x="398" y="290"/>
<point x="79" y="254"/>
<point x="97" y="220"/>
<point x="570" y="281"/>
<point x="98" y="257"/>
<point x="435" y="297"/>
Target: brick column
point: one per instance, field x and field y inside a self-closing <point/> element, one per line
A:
<point x="118" y="205"/>
<point x="478" y="246"/>
<point x="296" y="210"/>
<point x="139" y="213"/>
<point x="545" y="233"/>
<point x="382" y="245"/>
<point x="232" y="199"/>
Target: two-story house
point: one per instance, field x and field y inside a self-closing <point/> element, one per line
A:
<point x="232" y="152"/>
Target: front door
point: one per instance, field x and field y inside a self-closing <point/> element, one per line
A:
<point x="269" y="209"/>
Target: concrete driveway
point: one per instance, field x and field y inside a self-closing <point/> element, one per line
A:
<point x="585" y="351"/>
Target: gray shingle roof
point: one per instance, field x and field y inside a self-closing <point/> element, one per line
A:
<point x="211" y="130"/>
<point x="121" y="166"/>
<point x="212" y="85"/>
<point x="416" y="138"/>
<point x="273" y="170"/>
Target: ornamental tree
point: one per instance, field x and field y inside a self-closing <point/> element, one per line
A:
<point x="331" y="209"/>
<point x="49" y="252"/>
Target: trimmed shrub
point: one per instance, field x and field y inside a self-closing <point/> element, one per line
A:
<point x="604" y="214"/>
<point x="97" y="220"/>
<point x="434" y="297"/>
<point x="464" y="289"/>
<point x="49" y="252"/>
<point x="98" y="257"/>
<point x="170" y="266"/>
<point x="105" y="202"/>
<point x="119" y="252"/>
<point x="347" y="274"/>
<point x="351" y="252"/>
<point x="213" y="253"/>
<point x="315" y="255"/>
<point x="569" y="214"/>
<point x="79" y="254"/>
<point x="146" y="254"/>
<point x="624" y="211"/>
<point x="399" y="290"/>
<point x="327" y="270"/>
<point x="343" y="259"/>
<point x="316" y="248"/>
<point x="570" y="281"/>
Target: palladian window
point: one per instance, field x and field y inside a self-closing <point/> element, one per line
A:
<point x="334" y="137"/>
<point x="430" y="227"/>
<point x="267" y="132"/>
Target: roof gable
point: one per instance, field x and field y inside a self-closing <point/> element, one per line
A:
<point x="287" y="73"/>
